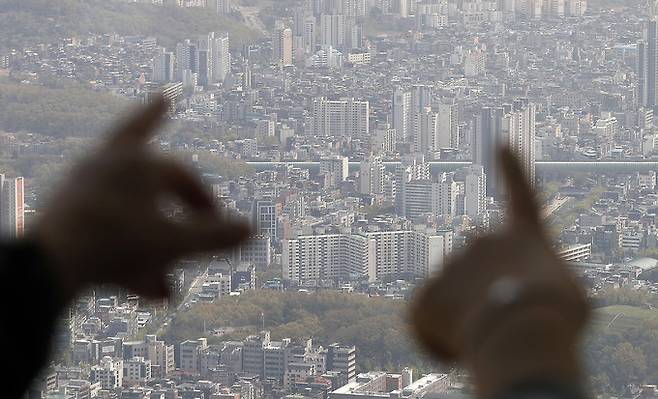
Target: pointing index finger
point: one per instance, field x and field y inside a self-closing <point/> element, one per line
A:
<point x="139" y="127"/>
<point x="207" y="233"/>
<point x="523" y="208"/>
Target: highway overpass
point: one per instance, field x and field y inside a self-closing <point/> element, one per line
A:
<point x="556" y="167"/>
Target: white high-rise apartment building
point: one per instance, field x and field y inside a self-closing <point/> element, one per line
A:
<point x="426" y="131"/>
<point x="402" y="114"/>
<point x="209" y="59"/>
<point x="12" y="207"/>
<point x="647" y="66"/>
<point x="328" y="256"/>
<point x="413" y="167"/>
<point x="373" y="254"/>
<point x="332" y="30"/>
<point x="164" y="64"/>
<point x="408" y="253"/>
<point x="444" y="195"/>
<point x="371" y="176"/>
<point x="520" y="122"/>
<point x="282" y="46"/>
<point x="186" y="59"/>
<point x="510" y="125"/>
<point x="434" y="131"/>
<point x="475" y="192"/>
<point x="221" y="56"/>
<point x="344" y="117"/>
<point x="434" y="126"/>
<point x="337" y="167"/>
<point x="448" y="132"/>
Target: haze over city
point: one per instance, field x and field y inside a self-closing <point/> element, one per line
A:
<point x="360" y="140"/>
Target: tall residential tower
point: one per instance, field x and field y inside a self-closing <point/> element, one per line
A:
<point x="12" y="207"/>
<point x="511" y="125"/>
<point x="647" y="61"/>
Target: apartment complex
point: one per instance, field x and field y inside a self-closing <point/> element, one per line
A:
<point x="370" y="255"/>
<point x="286" y="361"/>
<point x="346" y="117"/>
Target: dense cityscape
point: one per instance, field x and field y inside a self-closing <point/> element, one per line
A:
<point x="359" y="138"/>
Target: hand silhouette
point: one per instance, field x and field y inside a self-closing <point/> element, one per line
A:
<point x="506" y="307"/>
<point x="104" y="224"/>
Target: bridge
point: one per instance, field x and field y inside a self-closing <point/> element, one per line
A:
<point x="548" y="167"/>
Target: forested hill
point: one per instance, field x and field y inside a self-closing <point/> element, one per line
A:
<point x="25" y="22"/>
<point x="378" y="327"/>
<point x="56" y="111"/>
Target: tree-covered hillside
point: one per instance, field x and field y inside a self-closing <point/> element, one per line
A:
<point x="377" y="326"/>
<point x="56" y="111"/>
<point x="620" y="346"/>
<point x="25" y="22"/>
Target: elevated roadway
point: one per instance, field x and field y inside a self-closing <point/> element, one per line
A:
<point x="556" y="167"/>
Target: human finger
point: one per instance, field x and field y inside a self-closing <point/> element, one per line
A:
<point x="431" y="320"/>
<point x="207" y="233"/>
<point x="139" y="126"/>
<point x="523" y="208"/>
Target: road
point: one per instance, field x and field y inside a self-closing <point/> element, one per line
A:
<point x="555" y="204"/>
<point x="195" y="288"/>
<point x="614" y="319"/>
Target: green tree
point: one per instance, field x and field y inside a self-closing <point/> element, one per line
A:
<point x="627" y="365"/>
<point x="29" y="22"/>
<point x="376" y="326"/>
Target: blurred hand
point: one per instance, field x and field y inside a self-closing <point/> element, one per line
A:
<point x="506" y="307"/>
<point x="104" y="224"/>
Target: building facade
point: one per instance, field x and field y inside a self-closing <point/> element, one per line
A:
<point x="12" y="207"/>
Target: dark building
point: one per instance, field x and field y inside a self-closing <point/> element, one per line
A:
<point x="343" y="359"/>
